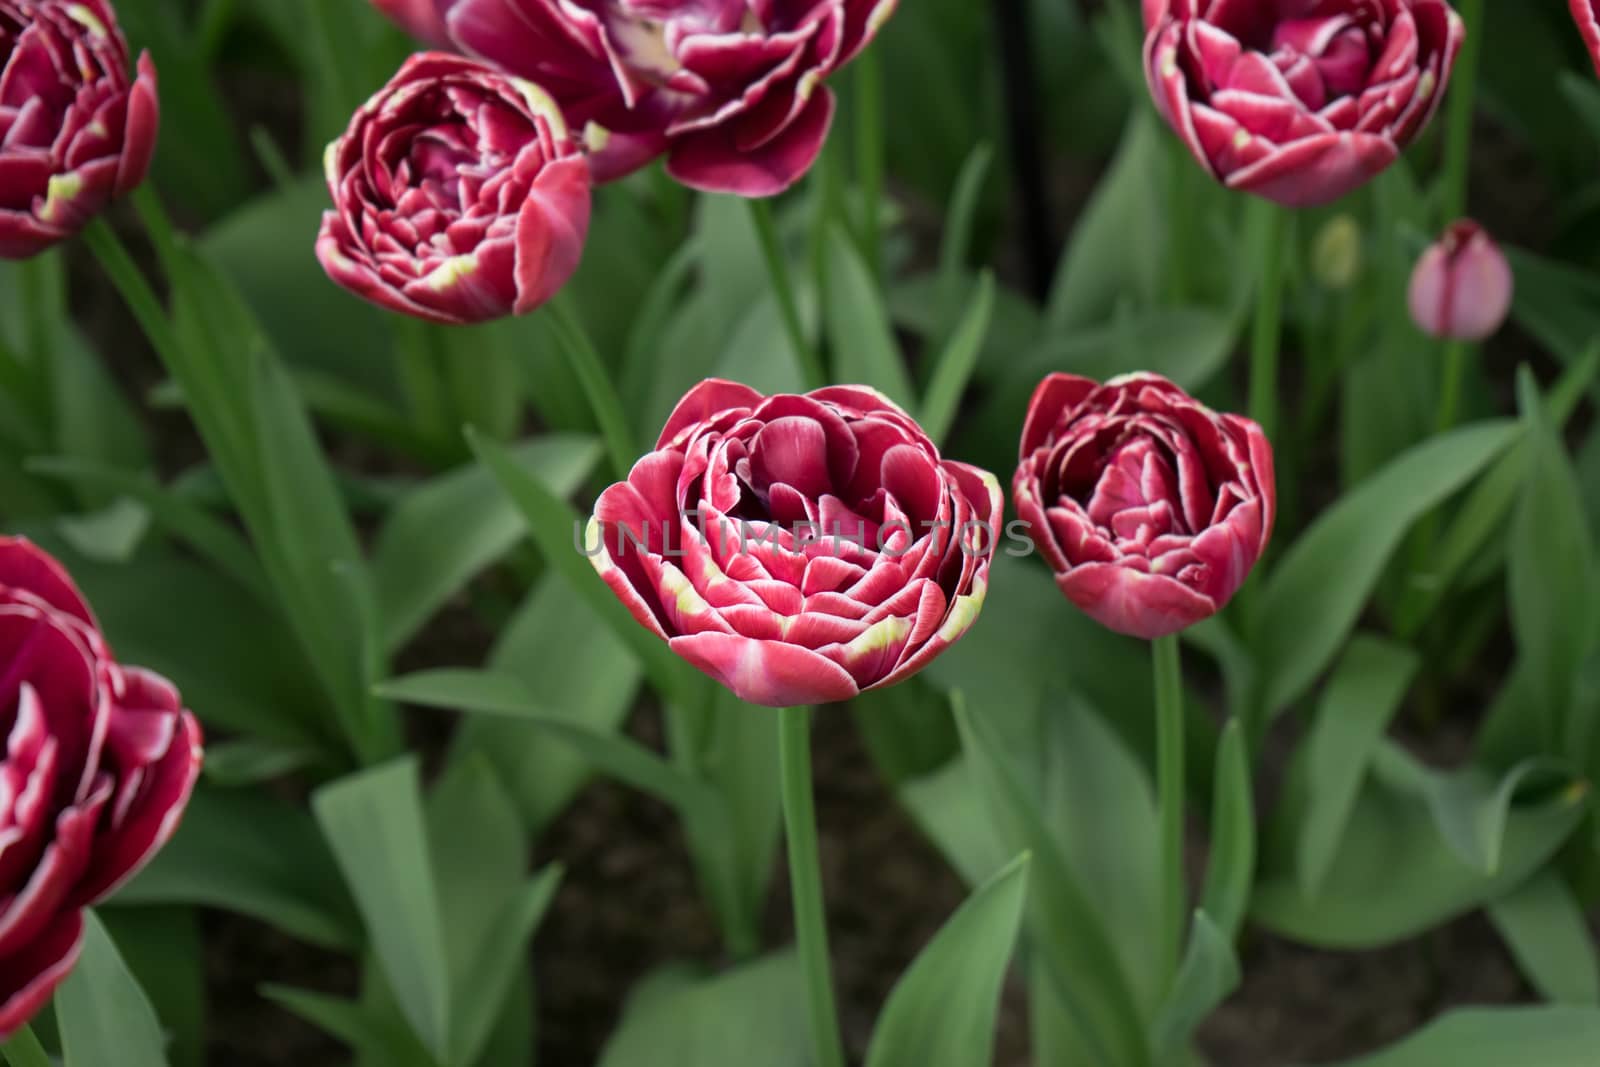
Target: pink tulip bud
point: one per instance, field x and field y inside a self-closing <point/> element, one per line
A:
<point x="458" y="195"/>
<point x="1586" y="13"/>
<point x="1298" y="102"/>
<point x="1461" y="287"/>
<point x="98" y="766"/>
<point x="1150" y="508"/>
<point x="798" y="549"/>
<point x="75" y="131"/>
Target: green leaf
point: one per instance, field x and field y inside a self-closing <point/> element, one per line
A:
<point x="558" y="531"/>
<point x="1317" y="592"/>
<point x="1395" y="875"/>
<point x="956" y="362"/>
<point x="862" y="342"/>
<point x="244" y="852"/>
<point x="1494" y="1037"/>
<point x="1551" y="575"/>
<point x="253" y="761"/>
<point x="1208" y="974"/>
<point x="445" y="531"/>
<point x="1356" y="707"/>
<point x="374" y="824"/>
<point x="1545" y="928"/>
<point x="753" y="1016"/>
<point x="942" y="1011"/>
<point x="502" y="694"/>
<point x="1065" y="926"/>
<point x="372" y="1034"/>
<point x="102" y="1013"/>
<point x="1469" y="807"/>
<point x="1232" y="866"/>
<point x="956" y="244"/>
<point x="163" y="949"/>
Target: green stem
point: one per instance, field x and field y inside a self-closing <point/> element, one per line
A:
<point x="1458" y="131"/>
<point x="1455" y="361"/>
<point x="869" y="154"/>
<point x="24" y="1049"/>
<point x="783" y="287"/>
<point x="805" y="879"/>
<point x="585" y="362"/>
<point x="1265" y="338"/>
<point x="1169" y="789"/>
<point x="135" y="289"/>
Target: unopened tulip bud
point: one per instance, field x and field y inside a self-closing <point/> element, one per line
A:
<point x="1461" y="287"/>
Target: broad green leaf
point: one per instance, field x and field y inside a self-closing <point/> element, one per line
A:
<point x="354" y="1024"/>
<point x="501" y="694"/>
<point x="759" y="352"/>
<point x="942" y="1011"/>
<point x="753" y="1015"/>
<point x="941" y="803"/>
<point x="1316" y="593"/>
<point x="1359" y="701"/>
<point x="1208" y="974"/>
<point x="1545" y="928"/>
<point x="556" y="645"/>
<point x="1232" y="865"/>
<point x="1551" y="576"/>
<point x="1064" y="926"/>
<point x="1395" y="875"/>
<point x="1557" y="303"/>
<point x="863" y="345"/>
<point x="445" y="531"/>
<point x="163" y="949"/>
<point x="1119" y="243"/>
<point x="102" y="1013"/>
<point x="956" y="362"/>
<point x="558" y="531"/>
<point x="373" y="822"/>
<point x="1494" y="1037"/>
<point x="242" y="851"/>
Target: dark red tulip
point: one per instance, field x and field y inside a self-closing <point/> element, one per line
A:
<point x="731" y="90"/>
<point x="1587" y="16"/>
<point x="1462" y="285"/>
<point x="76" y="129"/>
<point x="1299" y="101"/>
<point x="798" y="549"/>
<point x="1150" y="508"/>
<point x="458" y="195"/>
<point x="99" y="763"/>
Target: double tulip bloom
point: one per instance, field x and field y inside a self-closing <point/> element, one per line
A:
<point x="798" y="549"/>
<point x="75" y="131"/>
<point x="1150" y="508"/>
<point x="1298" y="101"/>
<point x="1586" y="13"/>
<point x="731" y="91"/>
<point x="459" y="196"/>
<point x="99" y="762"/>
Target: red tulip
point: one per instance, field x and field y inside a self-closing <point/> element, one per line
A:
<point x="458" y="195"/>
<point x="798" y="549"/>
<point x="99" y="763"/>
<point x="1150" y="508"/>
<point x="1299" y="101"/>
<point x="1461" y="287"/>
<point x="75" y="131"/>
<point x="1587" y="15"/>
<point x="731" y="90"/>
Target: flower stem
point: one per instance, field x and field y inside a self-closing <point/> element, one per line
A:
<point x="1455" y="360"/>
<point x="584" y="360"/>
<point x="1458" y="131"/>
<point x="805" y="879"/>
<point x="135" y="289"/>
<point x="869" y="154"/>
<point x="1169" y="789"/>
<point x="24" y="1049"/>
<point x="783" y="287"/>
<point x="1264" y="338"/>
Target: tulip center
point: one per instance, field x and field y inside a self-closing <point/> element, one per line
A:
<point x="1325" y="58"/>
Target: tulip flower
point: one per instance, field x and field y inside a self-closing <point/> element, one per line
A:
<point x="732" y="91"/>
<point x="1587" y="15"/>
<point x="798" y="549"/>
<point x="1461" y="287"/>
<point x="423" y="19"/>
<point x="1299" y="103"/>
<point x="458" y="195"/>
<point x="1150" y="508"/>
<point x="99" y="763"/>
<point x="75" y="129"/>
